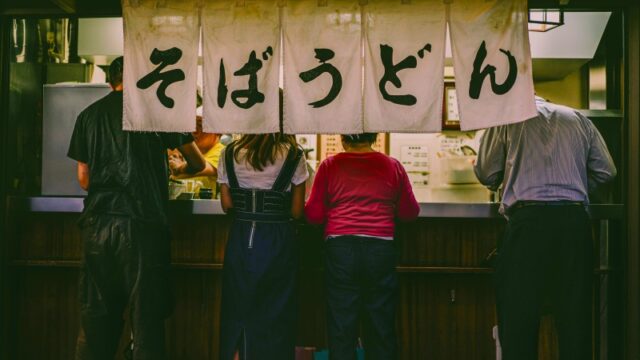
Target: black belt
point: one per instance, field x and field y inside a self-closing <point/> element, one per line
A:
<point x="526" y="203"/>
<point x="261" y="201"/>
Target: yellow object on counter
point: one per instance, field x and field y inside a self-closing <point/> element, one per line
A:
<point x="212" y="156"/>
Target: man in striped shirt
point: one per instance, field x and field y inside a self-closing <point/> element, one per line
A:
<point x="547" y="166"/>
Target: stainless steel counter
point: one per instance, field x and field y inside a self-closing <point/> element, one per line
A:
<point x="213" y="207"/>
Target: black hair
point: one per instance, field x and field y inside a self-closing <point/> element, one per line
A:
<point x="115" y="71"/>
<point x="364" y="138"/>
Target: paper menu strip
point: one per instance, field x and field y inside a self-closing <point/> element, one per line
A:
<point x="419" y="179"/>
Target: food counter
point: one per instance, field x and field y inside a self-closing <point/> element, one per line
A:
<point x="212" y="207"/>
<point x="446" y="303"/>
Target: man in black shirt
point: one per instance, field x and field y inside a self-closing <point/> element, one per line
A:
<point x="124" y="225"/>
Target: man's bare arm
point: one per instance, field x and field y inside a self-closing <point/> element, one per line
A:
<point x="195" y="162"/>
<point x="83" y="175"/>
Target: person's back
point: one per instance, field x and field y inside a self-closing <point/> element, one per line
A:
<point x="127" y="170"/>
<point x="365" y="192"/>
<point x="559" y="155"/>
<point x="263" y="179"/>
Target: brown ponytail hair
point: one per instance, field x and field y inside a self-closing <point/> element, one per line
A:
<point x="263" y="149"/>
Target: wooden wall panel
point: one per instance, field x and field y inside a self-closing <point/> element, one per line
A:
<point x="448" y="242"/>
<point x="441" y="315"/>
<point x="199" y="239"/>
<point x="474" y="317"/>
<point x="45" y="314"/>
<point x="425" y="318"/>
<point x="39" y="236"/>
<point x="446" y="317"/>
<point x="192" y="330"/>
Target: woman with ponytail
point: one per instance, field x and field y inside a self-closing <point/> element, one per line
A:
<point x="262" y="181"/>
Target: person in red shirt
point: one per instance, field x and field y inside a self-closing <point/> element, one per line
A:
<point x="359" y="194"/>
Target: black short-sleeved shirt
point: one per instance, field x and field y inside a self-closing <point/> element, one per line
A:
<point x="128" y="171"/>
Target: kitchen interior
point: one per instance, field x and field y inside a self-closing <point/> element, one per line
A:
<point x="57" y="67"/>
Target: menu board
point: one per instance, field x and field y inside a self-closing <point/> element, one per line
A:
<point x="329" y="145"/>
<point x="415" y="158"/>
<point x="451" y="145"/>
<point x="416" y="161"/>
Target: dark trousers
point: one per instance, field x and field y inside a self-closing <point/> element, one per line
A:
<point x="546" y="258"/>
<point x="126" y="265"/>
<point x="361" y="283"/>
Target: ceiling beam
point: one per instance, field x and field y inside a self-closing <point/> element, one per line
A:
<point x="578" y="4"/>
<point x="112" y="7"/>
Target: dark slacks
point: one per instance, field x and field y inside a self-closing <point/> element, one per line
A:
<point x="126" y="265"/>
<point x="546" y="258"/>
<point x="361" y="284"/>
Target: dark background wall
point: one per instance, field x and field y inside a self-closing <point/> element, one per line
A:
<point x="4" y="36"/>
<point x="632" y="110"/>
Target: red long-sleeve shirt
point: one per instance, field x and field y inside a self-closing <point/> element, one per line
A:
<point x="361" y="194"/>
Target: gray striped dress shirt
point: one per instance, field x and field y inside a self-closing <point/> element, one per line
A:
<point x="557" y="156"/>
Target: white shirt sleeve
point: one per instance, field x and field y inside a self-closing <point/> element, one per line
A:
<point x="302" y="173"/>
<point x="222" y="173"/>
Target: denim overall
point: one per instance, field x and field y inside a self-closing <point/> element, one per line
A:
<point x="258" y="311"/>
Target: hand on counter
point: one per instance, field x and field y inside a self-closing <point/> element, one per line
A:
<point x="188" y="161"/>
<point x="177" y="164"/>
<point x="180" y="169"/>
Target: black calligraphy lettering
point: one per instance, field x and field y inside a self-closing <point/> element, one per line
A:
<point x="390" y="75"/>
<point x="267" y="53"/>
<point x="478" y="76"/>
<point x="426" y="48"/>
<point x="252" y="94"/>
<point x="324" y="55"/>
<point x="222" y="86"/>
<point x="163" y="59"/>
